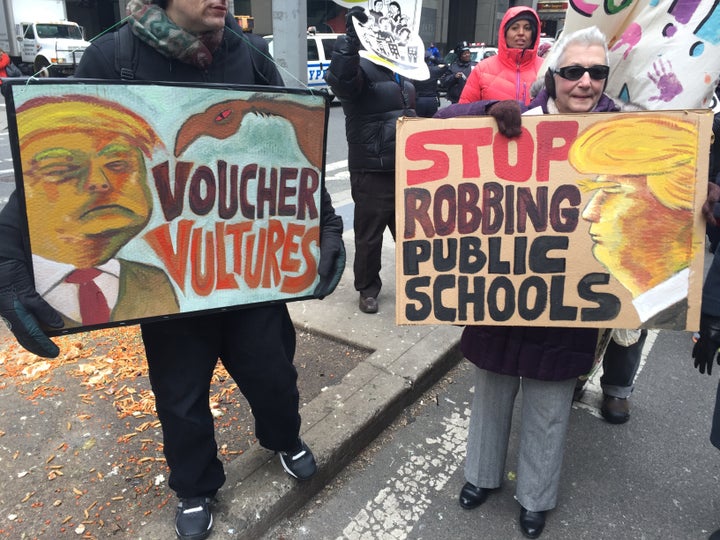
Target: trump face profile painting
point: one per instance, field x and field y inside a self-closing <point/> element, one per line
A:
<point x="640" y="214"/>
<point x="86" y="196"/>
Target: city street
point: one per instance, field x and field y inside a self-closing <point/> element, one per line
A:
<point x="655" y="477"/>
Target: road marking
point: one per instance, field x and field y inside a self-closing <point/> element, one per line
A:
<point x="395" y="510"/>
<point x="342" y="175"/>
<point x="342" y="164"/>
<point x="341" y="198"/>
<point x="399" y="505"/>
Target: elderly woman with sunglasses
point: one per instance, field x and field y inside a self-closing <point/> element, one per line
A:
<point x="544" y="361"/>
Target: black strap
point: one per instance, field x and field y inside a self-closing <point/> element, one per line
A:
<point x="126" y="54"/>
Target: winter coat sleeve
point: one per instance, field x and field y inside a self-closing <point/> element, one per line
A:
<point x="329" y="220"/>
<point x="448" y="79"/>
<point x="11" y="236"/>
<point x="711" y="288"/>
<point x="344" y="75"/>
<point x="477" y="108"/>
<point x="473" y="90"/>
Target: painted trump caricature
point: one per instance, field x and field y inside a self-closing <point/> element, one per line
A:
<point x="86" y="195"/>
<point x="641" y="211"/>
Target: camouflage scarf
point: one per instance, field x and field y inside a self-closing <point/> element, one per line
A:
<point x="150" y="23"/>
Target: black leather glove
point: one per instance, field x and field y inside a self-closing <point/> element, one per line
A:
<point x="332" y="263"/>
<point x="507" y="114"/>
<point x="705" y="350"/>
<point x="21" y="307"/>
<point x="355" y="13"/>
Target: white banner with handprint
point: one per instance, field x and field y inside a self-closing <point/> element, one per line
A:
<point x="664" y="54"/>
<point x="391" y="36"/>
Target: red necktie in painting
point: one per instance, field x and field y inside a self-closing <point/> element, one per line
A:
<point x="93" y="304"/>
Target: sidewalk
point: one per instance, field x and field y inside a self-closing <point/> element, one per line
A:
<point x="74" y="465"/>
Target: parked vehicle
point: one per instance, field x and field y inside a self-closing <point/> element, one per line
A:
<point x="319" y="51"/>
<point x="39" y="38"/>
<point x="480" y="51"/>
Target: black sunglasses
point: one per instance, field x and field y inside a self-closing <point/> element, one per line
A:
<point x="574" y="73"/>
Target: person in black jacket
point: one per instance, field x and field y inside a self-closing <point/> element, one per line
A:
<point x="192" y="41"/>
<point x="428" y="99"/>
<point x="373" y="98"/>
<point x="712" y="231"/>
<point x="456" y="74"/>
<point x="705" y="351"/>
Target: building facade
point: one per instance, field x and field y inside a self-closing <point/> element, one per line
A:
<point x="444" y="22"/>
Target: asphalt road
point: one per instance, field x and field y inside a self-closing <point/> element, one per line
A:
<point x="655" y="477"/>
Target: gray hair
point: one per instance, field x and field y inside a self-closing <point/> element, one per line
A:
<point x="585" y="36"/>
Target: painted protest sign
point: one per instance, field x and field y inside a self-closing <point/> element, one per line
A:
<point x="390" y="36"/>
<point x="664" y="54"/>
<point x="146" y="200"/>
<point x="584" y="220"/>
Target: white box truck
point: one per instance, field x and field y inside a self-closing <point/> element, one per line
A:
<point x="39" y="38"/>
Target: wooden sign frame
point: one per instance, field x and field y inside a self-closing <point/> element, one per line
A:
<point x="185" y="198"/>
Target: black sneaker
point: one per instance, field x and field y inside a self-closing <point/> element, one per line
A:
<point x="300" y="462"/>
<point x="194" y="520"/>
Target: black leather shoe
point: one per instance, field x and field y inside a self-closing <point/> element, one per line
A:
<point x="615" y="410"/>
<point x="368" y="304"/>
<point x="531" y="523"/>
<point x="715" y="535"/>
<point x="472" y="496"/>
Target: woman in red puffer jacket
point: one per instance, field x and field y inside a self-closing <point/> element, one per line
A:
<point x="4" y="63"/>
<point x="510" y="73"/>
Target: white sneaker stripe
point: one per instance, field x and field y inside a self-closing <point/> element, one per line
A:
<point x="193" y="510"/>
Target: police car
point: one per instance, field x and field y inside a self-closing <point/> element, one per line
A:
<point x="319" y="51"/>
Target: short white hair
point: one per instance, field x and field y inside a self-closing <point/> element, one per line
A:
<point x="585" y="36"/>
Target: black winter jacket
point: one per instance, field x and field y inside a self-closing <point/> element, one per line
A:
<point x="451" y="83"/>
<point x="231" y="64"/>
<point x="373" y="100"/>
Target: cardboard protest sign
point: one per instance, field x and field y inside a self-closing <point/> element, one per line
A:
<point x="664" y="54"/>
<point x="391" y="37"/>
<point x="584" y="220"/>
<point x="148" y="200"/>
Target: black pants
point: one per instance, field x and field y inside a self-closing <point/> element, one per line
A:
<point x="620" y="365"/>
<point x="715" y="432"/>
<point x="257" y="347"/>
<point x="374" y="196"/>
